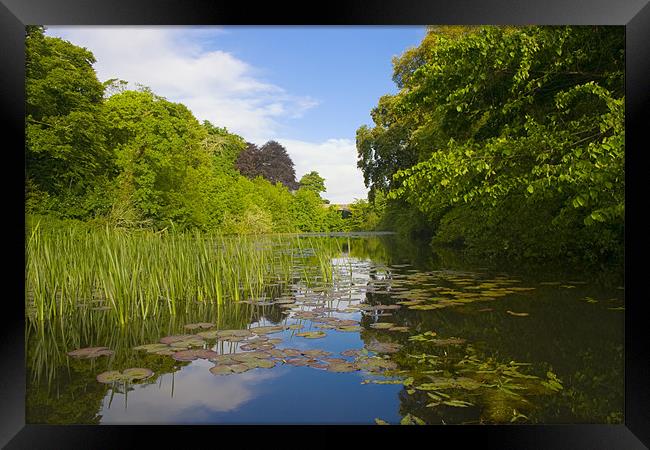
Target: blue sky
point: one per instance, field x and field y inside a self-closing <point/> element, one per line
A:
<point x="309" y="88"/>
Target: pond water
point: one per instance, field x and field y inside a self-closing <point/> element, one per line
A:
<point x="401" y="334"/>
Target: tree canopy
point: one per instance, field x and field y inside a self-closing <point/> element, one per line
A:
<point x="510" y="139"/>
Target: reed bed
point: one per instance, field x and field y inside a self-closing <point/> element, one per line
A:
<point x="141" y="274"/>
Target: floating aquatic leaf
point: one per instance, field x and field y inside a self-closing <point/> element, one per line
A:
<point x="267" y="330"/>
<point x="381" y="422"/>
<point x="457" y="403"/>
<point x="90" y="352"/>
<point x="137" y="373"/>
<point x="410" y="419"/>
<point x="374" y="364"/>
<point x="342" y="367"/>
<point x="353" y="352"/>
<point x="348" y="329"/>
<point x="233" y="333"/>
<point x="152" y="348"/>
<point x="384" y="347"/>
<point x="400" y="329"/>
<point x="193" y="326"/>
<point x="382" y="325"/>
<point x="221" y="370"/>
<point x="312" y="334"/>
<point x="316" y="353"/>
<point x="295" y="326"/>
<point x="111" y="376"/>
<point x="300" y="361"/>
<point x="208" y="334"/>
<point x="176" y="338"/>
<point x="186" y="343"/>
<point x="518" y="314"/>
<point x="223" y="359"/>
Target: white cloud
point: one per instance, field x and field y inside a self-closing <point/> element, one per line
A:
<point x="335" y="160"/>
<point x="175" y="64"/>
<point x="197" y="394"/>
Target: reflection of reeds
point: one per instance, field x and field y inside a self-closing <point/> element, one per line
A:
<point x="138" y="274"/>
<point x="47" y="343"/>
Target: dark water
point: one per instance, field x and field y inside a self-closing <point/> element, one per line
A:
<point x="541" y="346"/>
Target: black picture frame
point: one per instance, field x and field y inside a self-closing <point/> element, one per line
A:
<point x="633" y="14"/>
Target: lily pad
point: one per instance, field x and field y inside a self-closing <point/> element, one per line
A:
<point x="400" y="329"/>
<point x="229" y="369"/>
<point x="137" y="373"/>
<point x="226" y="334"/>
<point x="111" y="376"/>
<point x="382" y="325"/>
<point x="384" y="347"/>
<point x="517" y="314"/>
<point x="152" y="348"/>
<point x="194" y="326"/>
<point x="208" y="334"/>
<point x="312" y="334"/>
<point x="349" y="329"/>
<point x="176" y="338"/>
<point x="342" y="367"/>
<point x="267" y="330"/>
<point x="90" y="352"/>
<point x="316" y="353"/>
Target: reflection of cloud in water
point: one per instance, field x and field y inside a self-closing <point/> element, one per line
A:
<point x="197" y="395"/>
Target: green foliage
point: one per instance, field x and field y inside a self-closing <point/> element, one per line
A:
<point x="132" y="159"/>
<point x="507" y="138"/>
<point x="313" y="182"/>
<point x="66" y="153"/>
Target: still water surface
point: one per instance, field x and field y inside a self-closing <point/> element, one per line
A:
<point x="459" y="344"/>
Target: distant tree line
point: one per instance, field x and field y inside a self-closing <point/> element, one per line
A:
<point x="101" y="153"/>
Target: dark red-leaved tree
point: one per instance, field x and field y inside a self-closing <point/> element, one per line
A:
<point x="270" y="161"/>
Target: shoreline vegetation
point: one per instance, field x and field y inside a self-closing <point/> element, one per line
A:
<point x="505" y="143"/>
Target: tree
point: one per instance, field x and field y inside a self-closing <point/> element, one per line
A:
<point x="270" y="161"/>
<point x="66" y="154"/>
<point x="159" y="153"/>
<point x="510" y="137"/>
<point x="313" y="182"/>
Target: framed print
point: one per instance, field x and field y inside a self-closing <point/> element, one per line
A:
<point x="248" y="223"/>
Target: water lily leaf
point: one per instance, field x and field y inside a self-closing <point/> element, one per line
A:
<point x="381" y="422"/>
<point x="457" y="403"/>
<point x="353" y="352"/>
<point x="518" y="314"/>
<point x="221" y="370"/>
<point x="268" y="329"/>
<point x="151" y="348"/>
<point x="382" y="325"/>
<point x="228" y="334"/>
<point x="193" y="326"/>
<point x="410" y="419"/>
<point x="111" y="376"/>
<point x="348" y="329"/>
<point x="342" y="367"/>
<point x="137" y="373"/>
<point x="316" y="353"/>
<point x="384" y="347"/>
<point x="312" y="334"/>
<point x="223" y="359"/>
<point x="176" y="338"/>
<point x="208" y="334"/>
<point x="295" y="326"/>
<point x="90" y="352"/>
